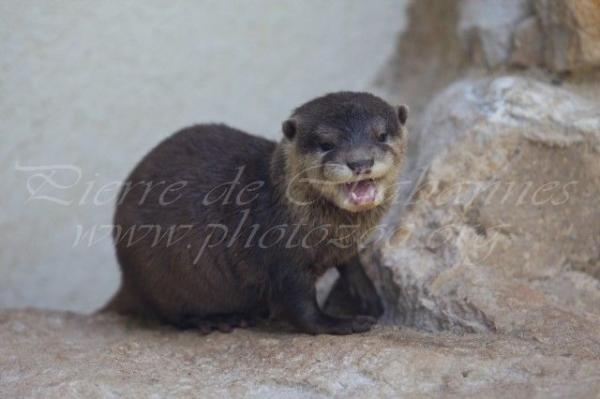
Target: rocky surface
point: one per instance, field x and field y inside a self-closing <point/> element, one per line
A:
<point x="453" y="39"/>
<point x="491" y="269"/>
<point x="562" y="36"/>
<point x="58" y="355"/>
<point x="571" y="33"/>
<point x="502" y="230"/>
<point x="501" y="233"/>
<point x="491" y="281"/>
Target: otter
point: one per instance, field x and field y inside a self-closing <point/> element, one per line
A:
<point x="216" y="228"/>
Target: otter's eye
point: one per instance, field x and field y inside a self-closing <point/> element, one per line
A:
<point x="326" y="147"/>
<point x="382" y="138"/>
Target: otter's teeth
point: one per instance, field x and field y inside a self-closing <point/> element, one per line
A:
<point x="362" y="192"/>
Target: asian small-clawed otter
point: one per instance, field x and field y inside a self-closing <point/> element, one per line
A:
<point x="215" y="227"/>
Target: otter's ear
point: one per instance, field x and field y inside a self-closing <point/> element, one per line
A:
<point x="289" y="128"/>
<point x="403" y="114"/>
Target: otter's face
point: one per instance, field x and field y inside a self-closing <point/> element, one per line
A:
<point x="348" y="149"/>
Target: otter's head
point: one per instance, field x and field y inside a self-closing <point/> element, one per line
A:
<point x="346" y="147"/>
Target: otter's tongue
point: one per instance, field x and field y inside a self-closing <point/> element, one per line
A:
<point x="362" y="192"/>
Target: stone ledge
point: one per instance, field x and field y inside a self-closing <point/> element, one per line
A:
<point x="56" y="354"/>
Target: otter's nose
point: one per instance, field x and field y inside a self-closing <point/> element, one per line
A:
<point x="361" y="167"/>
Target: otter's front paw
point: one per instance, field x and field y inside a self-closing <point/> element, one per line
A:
<point x="356" y="297"/>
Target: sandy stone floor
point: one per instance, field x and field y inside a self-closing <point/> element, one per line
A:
<point x="62" y="355"/>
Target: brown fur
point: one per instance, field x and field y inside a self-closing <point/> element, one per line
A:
<point x="222" y="277"/>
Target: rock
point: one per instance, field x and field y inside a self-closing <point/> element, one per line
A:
<point x="502" y="231"/>
<point x="527" y="50"/>
<point x="491" y="270"/>
<point x="449" y="40"/>
<point x="571" y="32"/>
<point x="486" y="28"/>
<point x="106" y="356"/>
<point x="429" y="55"/>
<point x="566" y="33"/>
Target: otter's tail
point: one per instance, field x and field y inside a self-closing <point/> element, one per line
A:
<point x="124" y="302"/>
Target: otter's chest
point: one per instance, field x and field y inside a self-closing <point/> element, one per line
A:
<point x="329" y="238"/>
<point x="331" y="257"/>
<point x="333" y="249"/>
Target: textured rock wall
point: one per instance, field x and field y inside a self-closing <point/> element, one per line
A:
<point x="497" y="227"/>
<point x="571" y="33"/>
<point x="446" y="40"/>
<point x="562" y="36"/>
<point x="506" y="204"/>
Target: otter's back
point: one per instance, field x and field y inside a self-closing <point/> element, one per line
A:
<point x="191" y="169"/>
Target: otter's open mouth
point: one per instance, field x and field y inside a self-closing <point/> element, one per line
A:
<point x="362" y="192"/>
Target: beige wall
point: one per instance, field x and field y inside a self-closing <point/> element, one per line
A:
<point x="87" y="87"/>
